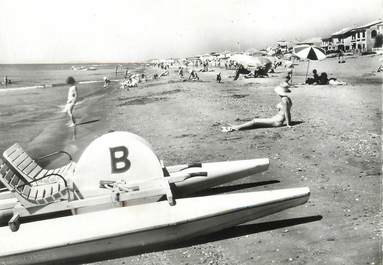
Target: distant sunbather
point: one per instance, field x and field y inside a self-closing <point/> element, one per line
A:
<point x="323" y="79"/>
<point x="283" y="114"/>
<point x="193" y="75"/>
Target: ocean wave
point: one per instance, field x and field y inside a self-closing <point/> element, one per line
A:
<point x="10" y="89"/>
<point x="20" y="88"/>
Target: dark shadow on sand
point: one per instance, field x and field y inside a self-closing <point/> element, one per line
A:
<point x="249" y="229"/>
<point x="86" y="122"/>
<point x="74" y="135"/>
<point x="293" y="123"/>
<point x="223" y="189"/>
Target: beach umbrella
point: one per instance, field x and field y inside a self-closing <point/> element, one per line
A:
<point x="309" y="52"/>
<point x="250" y="61"/>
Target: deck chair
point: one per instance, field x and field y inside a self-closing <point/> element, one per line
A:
<point x="17" y="159"/>
<point x="32" y="196"/>
<point x="31" y="193"/>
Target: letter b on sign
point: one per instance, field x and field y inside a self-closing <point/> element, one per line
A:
<point x="119" y="159"/>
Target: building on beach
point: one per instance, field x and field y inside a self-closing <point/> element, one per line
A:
<point x="365" y="38"/>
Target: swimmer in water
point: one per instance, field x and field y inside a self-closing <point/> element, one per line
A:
<point x="72" y="99"/>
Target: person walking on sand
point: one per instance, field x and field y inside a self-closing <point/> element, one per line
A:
<point x="282" y="116"/>
<point x="219" y="78"/>
<point x="72" y="99"/>
<point x="106" y="81"/>
<point x="340" y="56"/>
<point x="181" y="72"/>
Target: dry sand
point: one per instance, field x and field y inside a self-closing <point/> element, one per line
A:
<point x="334" y="148"/>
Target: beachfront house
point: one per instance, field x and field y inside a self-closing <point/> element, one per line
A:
<point x="328" y="45"/>
<point x="341" y="40"/>
<point x="366" y="38"/>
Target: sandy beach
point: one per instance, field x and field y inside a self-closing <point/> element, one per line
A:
<point x="334" y="148"/>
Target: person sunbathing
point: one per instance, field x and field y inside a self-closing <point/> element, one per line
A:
<point x="282" y="116"/>
<point x="323" y="79"/>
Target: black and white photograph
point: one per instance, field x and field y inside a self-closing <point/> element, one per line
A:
<point x="200" y="132"/>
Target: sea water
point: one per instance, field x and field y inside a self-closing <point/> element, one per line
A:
<point x="30" y="76"/>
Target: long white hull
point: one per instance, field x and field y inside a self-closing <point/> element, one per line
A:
<point x="138" y="228"/>
<point x="218" y="173"/>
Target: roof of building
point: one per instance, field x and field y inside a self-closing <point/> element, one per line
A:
<point x="369" y="25"/>
<point x="327" y="39"/>
<point x="341" y="32"/>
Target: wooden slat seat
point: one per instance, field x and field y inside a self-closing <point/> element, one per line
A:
<point x="33" y="194"/>
<point x="22" y="163"/>
<point x="33" y="184"/>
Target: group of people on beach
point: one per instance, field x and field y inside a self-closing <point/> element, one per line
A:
<point x="282" y="117"/>
<point x="323" y="79"/>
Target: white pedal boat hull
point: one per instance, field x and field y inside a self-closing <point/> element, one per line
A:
<point x="138" y="228"/>
<point x="218" y="174"/>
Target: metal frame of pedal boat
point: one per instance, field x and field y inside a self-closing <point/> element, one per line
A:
<point x="121" y="195"/>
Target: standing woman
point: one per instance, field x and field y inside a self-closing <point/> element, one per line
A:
<point x="72" y="99"/>
<point x="277" y="120"/>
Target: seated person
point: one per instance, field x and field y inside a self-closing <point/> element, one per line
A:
<point x="283" y="114"/>
<point x="314" y="79"/>
<point x="241" y="70"/>
<point x="164" y="73"/>
<point x="193" y="75"/>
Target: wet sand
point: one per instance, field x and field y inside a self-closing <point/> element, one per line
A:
<point x="334" y="148"/>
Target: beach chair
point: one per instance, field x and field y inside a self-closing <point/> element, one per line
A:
<point x="40" y="191"/>
<point x="32" y="185"/>
<point x="28" y="193"/>
<point x="17" y="159"/>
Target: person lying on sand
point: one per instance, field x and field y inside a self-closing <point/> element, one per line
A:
<point x="72" y="99"/>
<point x="164" y="73"/>
<point x="323" y="80"/>
<point x="193" y="75"/>
<point x="283" y="114"/>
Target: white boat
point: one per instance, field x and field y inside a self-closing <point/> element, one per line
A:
<point x="120" y="198"/>
<point x="138" y="228"/>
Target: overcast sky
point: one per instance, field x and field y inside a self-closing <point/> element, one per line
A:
<point x="53" y="31"/>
